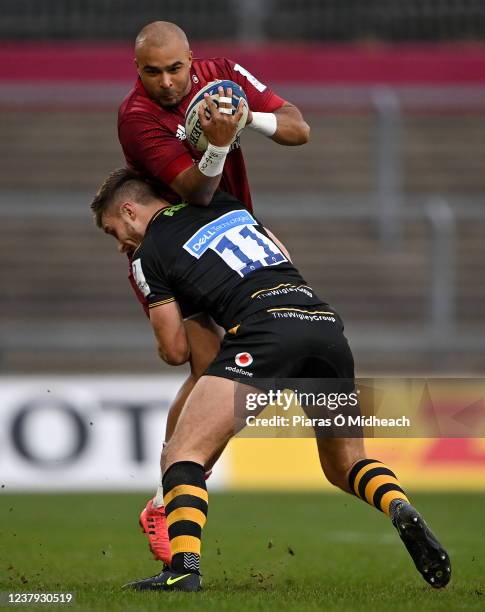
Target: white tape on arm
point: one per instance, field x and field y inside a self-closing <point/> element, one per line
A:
<point x="264" y="123"/>
<point x="212" y="162"/>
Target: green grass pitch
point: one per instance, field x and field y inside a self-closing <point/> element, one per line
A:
<point x="288" y="551"/>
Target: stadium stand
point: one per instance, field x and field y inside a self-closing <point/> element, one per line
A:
<point x="83" y="282"/>
<point x="338" y="20"/>
<point x="442" y="153"/>
<point x="66" y="305"/>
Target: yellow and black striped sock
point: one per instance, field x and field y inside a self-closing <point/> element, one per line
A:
<point x="376" y="484"/>
<point x="185" y="498"/>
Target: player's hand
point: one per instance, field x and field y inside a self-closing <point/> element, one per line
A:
<point x="219" y="124"/>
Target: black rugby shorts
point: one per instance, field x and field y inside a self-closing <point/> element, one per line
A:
<point x="286" y="342"/>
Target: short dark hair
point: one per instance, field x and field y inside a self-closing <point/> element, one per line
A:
<point x="122" y="183"/>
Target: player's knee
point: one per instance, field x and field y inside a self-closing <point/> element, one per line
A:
<point x="166" y="458"/>
<point x="176" y="450"/>
<point x="171" y="453"/>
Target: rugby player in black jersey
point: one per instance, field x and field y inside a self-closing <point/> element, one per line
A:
<point x="220" y="260"/>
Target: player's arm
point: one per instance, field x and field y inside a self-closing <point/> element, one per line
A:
<point x="150" y="280"/>
<point x="285" y="125"/>
<point x="194" y="187"/>
<point x="169" y="329"/>
<point x="269" y="114"/>
<point x="291" y="128"/>
<point x="152" y="147"/>
<point x="279" y="244"/>
<point x="198" y="183"/>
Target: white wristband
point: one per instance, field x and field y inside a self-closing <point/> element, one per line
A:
<point x="212" y="162"/>
<point x="264" y="123"/>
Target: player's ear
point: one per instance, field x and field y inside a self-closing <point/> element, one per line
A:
<point x="191" y="55"/>
<point x="135" y="61"/>
<point x="128" y="209"/>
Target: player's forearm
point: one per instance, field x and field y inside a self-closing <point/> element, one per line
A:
<point x="169" y="330"/>
<point x="195" y="187"/>
<point x="291" y="128"/>
<point x="174" y="356"/>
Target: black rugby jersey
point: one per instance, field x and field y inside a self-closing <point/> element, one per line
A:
<point x="216" y="259"/>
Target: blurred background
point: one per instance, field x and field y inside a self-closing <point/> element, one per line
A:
<point x="383" y="212"/>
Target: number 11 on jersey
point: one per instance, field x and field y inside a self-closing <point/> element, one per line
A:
<point x="245" y="249"/>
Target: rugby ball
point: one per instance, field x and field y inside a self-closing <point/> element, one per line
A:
<point x="193" y="129"/>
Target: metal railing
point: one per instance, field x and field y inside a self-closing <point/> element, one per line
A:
<point x="443" y="271"/>
<point x="438" y="334"/>
<point x="388" y="165"/>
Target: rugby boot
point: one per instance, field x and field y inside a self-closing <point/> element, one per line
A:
<point x="167" y="580"/>
<point x="430" y="558"/>
<point x="154" y="524"/>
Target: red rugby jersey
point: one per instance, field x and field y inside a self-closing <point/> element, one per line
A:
<point x="153" y="137"/>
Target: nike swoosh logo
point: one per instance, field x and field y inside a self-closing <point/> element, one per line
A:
<point x="174" y="580"/>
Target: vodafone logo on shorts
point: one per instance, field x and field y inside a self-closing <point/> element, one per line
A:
<point x="243" y="359"/>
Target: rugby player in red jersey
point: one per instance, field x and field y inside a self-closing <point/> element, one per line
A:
<point x="151" y="132"/>
<point x="151" y="118"/>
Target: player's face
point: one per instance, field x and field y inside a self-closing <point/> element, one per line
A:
<point x="124" y="230"/>
<point x="165" y="72"/>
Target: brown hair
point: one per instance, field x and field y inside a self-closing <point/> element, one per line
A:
<point x="122" y="183"/>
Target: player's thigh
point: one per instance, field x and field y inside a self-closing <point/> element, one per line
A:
<point x="205" y="423"/>
<point x="204" y="338"/>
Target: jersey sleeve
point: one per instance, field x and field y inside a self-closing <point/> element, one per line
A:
<point x="260" y="97"/>
<point x="150" y="278"/>
<point x="148" y="145"/>
<point x="154" y="285"/>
